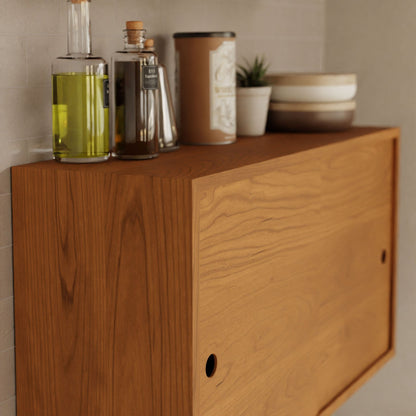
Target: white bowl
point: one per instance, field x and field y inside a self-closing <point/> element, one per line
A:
<point x="313" y="87"/>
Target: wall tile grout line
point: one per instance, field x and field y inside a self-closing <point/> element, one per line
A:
<point x="9" y="399"/>
<point x="8" y="349"/>
<point x="6" y="299"/>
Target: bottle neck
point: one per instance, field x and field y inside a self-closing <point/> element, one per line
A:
<point x="79" y="28"/>
<point x="134" y="39"/>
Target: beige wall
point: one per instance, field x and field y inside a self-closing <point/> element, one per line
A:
<point x="32" y="33"/>
<point x="376" y="39"/>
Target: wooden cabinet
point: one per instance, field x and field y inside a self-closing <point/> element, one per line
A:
<point x="268" y="265"/>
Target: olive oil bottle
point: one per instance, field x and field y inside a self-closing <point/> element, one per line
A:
<point x="80" y="95"/>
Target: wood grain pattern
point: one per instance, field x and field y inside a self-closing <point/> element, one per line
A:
<point x="193" y="162"/>
<point x="103" y="304"/>
<point x="293" y="297"/>
<point x="377" y="364"/>
<point x="266" y="253"/>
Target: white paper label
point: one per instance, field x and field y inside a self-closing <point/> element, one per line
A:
<point x="222" y="88"/>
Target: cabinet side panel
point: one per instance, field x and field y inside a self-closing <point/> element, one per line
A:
<point x="149" y="261"/>
<point x="59" y="280"/>
<point x="295" y="279"/>
<point x="103" y="294"/>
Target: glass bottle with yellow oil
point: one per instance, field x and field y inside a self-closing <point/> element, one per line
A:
<point x="80" y="95"/>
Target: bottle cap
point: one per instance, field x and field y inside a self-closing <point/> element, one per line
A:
<point x="134" y="31"/>
<point x="79" y="1"/>
<point x="134" y="25"/>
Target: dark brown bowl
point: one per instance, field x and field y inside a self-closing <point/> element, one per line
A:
<point x="310" y="117"/>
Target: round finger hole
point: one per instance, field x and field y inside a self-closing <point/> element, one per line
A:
<point x="211" y="365"/>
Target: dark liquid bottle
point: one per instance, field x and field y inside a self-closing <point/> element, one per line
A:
<point x="135" y="98"/>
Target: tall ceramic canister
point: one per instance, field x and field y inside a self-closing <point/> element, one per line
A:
<point x="206" y="87"/>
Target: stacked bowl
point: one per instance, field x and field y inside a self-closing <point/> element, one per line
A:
<point x="311" y="102"/>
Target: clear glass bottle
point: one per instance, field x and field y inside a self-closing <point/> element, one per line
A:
<point x="80" y="98"/>
<point x="168" y="133"/>
<point x="135" y="97"/>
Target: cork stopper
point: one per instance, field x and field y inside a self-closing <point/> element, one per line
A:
<point x="149" y="43"/>
<point x="134" y="25"/>
<point x="79" y="1"/>
<point x="134" y="30"/>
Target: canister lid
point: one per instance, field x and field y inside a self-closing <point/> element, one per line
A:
<point x="204" y="35"/>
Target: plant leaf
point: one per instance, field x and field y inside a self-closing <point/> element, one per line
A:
<point x="252" y="75"/>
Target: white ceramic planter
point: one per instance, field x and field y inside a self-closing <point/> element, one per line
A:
<point x="252" y="107"/>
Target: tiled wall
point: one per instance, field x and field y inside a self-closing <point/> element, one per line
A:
<point x="288" y="32"/>
<point x="375" y="39"/>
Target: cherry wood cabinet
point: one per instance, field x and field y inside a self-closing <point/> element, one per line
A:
<point x="254" y="279"/>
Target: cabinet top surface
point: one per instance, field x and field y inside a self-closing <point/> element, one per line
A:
<point x="192" y="162"/>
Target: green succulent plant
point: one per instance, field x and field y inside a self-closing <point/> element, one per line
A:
<point x="252" y="75"/>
